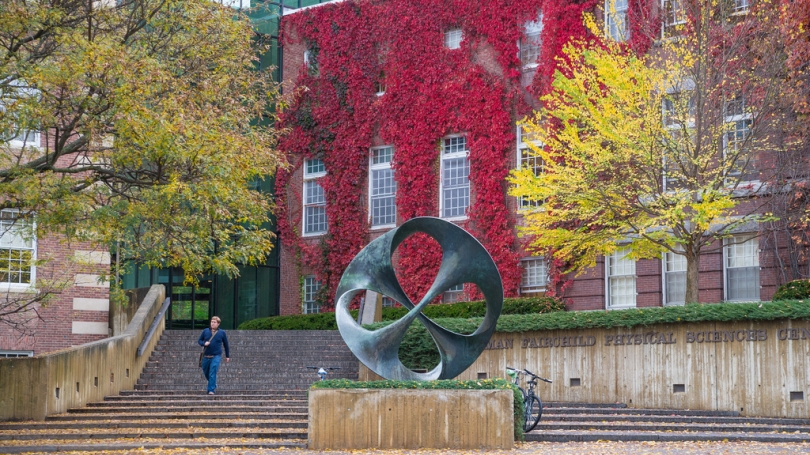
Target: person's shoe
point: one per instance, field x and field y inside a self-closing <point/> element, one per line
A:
<point x="210" y="393"/>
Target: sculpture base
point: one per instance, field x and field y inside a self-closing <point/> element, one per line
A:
<point x="410" y="419"/>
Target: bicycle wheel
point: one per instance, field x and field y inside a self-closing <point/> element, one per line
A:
<point x="533" y="411"/>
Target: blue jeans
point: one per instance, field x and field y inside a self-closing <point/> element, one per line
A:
<point x="210" y="368"/>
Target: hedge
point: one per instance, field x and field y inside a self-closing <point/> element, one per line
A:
<point x="793" y="290"/>
<point x="481" y="384"/>
<point x="326" y="321"/>
<point x="418" y="351"/>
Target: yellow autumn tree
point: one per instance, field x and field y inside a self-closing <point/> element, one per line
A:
<point x="139" y="125"/>
<point x="659" y="152"/>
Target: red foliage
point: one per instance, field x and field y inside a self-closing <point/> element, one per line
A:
<point x="431" y="91"/>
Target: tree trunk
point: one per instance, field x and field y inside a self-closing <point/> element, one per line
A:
<point x="692" y="275"/>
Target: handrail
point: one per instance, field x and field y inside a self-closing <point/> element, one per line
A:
<point x="154" y="325"/>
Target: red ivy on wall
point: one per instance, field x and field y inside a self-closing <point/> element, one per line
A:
<point x="430" y="92"/>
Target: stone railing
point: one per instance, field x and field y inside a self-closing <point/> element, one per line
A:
<point x="36" y="387"/>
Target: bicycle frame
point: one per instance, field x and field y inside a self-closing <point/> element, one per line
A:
<point x="532" y="405"/>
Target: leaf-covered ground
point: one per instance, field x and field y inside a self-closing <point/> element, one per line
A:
<point x="571" y="448"/>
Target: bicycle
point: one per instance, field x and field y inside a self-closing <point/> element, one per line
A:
<point x="322" y="371"/>
<point x="532" y="406"/>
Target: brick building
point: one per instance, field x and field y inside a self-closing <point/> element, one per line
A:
<point x="747" y="267"/>
<point x="79" y="310"/>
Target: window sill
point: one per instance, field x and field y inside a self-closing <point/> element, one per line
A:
<point x="383" y="227"/>
<point x="17" y="288"/>
<point x="456" y="218"/>
<point x="314" y="234"/>
<point x="625" y="307"/>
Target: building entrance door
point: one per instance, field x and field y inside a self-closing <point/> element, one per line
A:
<point x="191" y="304"/>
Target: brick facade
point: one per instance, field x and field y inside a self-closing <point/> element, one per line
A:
<point x="588" y="290"/>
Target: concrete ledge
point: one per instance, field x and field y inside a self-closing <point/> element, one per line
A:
<point x="410" y="419"/>
<point x="33" y="388"/>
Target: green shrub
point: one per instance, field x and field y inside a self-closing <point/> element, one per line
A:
<point x="326" y="321"/>
<point x="794" y="290"/>
<point x="521" y="305"/>
<point x="481" y="384"/>
<point x="317" y="321"/>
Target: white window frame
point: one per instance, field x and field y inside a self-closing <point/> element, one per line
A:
<point x="523" y="141"/>
<point x="453" y="155"/>
<point x="310" y="177"/>
<point x="531" y="43"/>
<point x="310" y="64"/>
<point x="534" y="275"/>
<point x="453" y="38"/>
<point x="677" y="18"/>
<point x="748" y="245"/>
<point x="616" y="20"/>
<point x="311" y="288"/>
<point x="734" y="119"/>
<point x="8" y="354"/>
<point x="236" y="4"/>
<point x="453" y="294"/>
<point x="619" y="256"/>
<point x="372" y="172"/>
<point x="741" y="7"/>
<point x="388" y="302"/>
<point x="674" y="126"/>
<point x="30" y="138"/>
<point x="676" y="262"/>
<point x="379" y="84"/>
<point x="8" y="227"/>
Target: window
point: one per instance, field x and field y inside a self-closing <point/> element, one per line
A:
<point x="741" y="6"/>
<point x="452" y="38"/>
<point x="530" y="42"/>
<point x="455" y="181"/>
<point x="529" y="49"/>
<point x="382" y="188"/>
<point x="18" y="132"/>
<point x="379" y="85"/>
<point x="528" y="159"/>
<point x="674" y="14"/>
<point x="311" y="288"/>
<point x="238" y="4"/>
<point x="678" y="113"/>
<point x="17" y="250"/>
<point x="674" y="279"/>
<point x="453" y="294"/>
<point x="616" y="26"/>
<point x="314" y="199"/>
<point x="311" y="61"/>
<point x="742" y="268"/>
<point x="621" y="285"/>
<point x="15" y="354"/>
<point x="736" y="141"/>
<point x="535" y="275"/>
<point x="388" y="302"/>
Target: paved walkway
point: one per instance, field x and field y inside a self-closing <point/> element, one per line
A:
<point x="582" y="448"/>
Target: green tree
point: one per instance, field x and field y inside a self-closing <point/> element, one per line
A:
<point x="662" y="152"/>
<point x="152" y="129"/>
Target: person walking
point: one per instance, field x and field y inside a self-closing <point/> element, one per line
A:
<point x="213" y="340"/>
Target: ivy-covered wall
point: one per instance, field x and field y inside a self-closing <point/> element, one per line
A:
<point x="430" y="92"/>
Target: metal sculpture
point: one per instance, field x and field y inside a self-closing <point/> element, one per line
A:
<point x="464" y="260"/>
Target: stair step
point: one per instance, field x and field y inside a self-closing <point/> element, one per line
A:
<point x="199" y="433"/>
<point x="151" y="443"/>
<point x="592" y="436"/>
<point x="179" y="416"/>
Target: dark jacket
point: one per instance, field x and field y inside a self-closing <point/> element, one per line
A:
<point x="215" y="348"/>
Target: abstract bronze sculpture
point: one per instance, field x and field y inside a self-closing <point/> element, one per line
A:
<point x="464" y="260"/>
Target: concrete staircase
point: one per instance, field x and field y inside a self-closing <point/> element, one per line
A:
<point x="565" y="422"/>
<point x="261" y="399"/>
